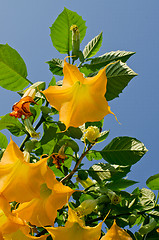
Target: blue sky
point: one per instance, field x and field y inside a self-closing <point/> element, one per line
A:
<point x="126" y="25"/>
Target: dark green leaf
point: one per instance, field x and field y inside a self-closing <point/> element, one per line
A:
<point x="3" y="141"/>
<point x="105" y="171"/>
<point x="69" y="143"/>
<point x="118" y="76"/>
<point x="12" y="124"/>
<point x="13" y="70"/>
<point x="61" y="35"/>
<point x="153" y="182"/>
<point x="120" y="184"/>
<point x="123" y="151"/>
<point x="102" y="61"/>
<point x="147" y="199"/>
<point x="82" y="174"/>
<point x="103" y="136"/>
<point x="93" y="46"/>
<point x="56" y="66"/>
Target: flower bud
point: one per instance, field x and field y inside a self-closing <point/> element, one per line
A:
<point x="91" y="134"/>
<point x="30" y="129"/>
<point x="30" y="92"/>
<point x="75" y="41"/>
<point x="26" y="156"/>
<point x="115" y="199"/>
<point x="86" y="207"/>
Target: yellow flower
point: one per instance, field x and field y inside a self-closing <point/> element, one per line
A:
<point x="116" y="233"/>
<point x="43" y="210"/>
<point x="75" y="229"/>
<point x="79" y="100"/>
<point x="19" y="235"/>
<point x="91" y="133"/>
<point x="19" y="180"/>
<point x="9" y="222"/>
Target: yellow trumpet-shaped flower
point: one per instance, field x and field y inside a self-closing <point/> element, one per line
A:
<point x="9" y="222"/>
<point x="79" y="100"/>
<point x="75" y="229"/>
<point x="116" y="233"/>
<point x="43" y="210"/>
<point x="19" y="235"/>
<point x="19" y="180"/>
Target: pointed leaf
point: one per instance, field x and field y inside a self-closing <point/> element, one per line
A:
<point x="103" y="171"/>
<point x="106" y="58"/>
<point x="56" y="66"/>
<point x="118" y="75"/>
<point x="153" y="182"/>
<point x="123" y="151"/>
<point x="93" y="46"/>
<point x="13" y="70"/>
<point x="12" y="124"/>
<point x="120" y="184"/>
<point x="61" y="35"/>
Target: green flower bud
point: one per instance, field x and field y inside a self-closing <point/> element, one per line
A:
<point x="86" y="207"/>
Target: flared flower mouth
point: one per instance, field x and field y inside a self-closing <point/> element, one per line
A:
<point x="76" y="93"/>
<point x="22" y="108"/>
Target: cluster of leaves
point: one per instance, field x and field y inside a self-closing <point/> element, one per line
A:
<point x="107" y="179"/>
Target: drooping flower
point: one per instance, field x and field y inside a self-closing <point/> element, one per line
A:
<point x="116" y="233"/>
<point x="75" y="229"/>
<point x="79" y="100"/>
<point x="59" y="158"/>
<point x="20" y="180"/>
<point x="22" y="108"/>
<point x="43" y="210"/>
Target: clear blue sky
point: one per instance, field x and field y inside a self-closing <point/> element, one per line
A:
<point x="126" y="25"/>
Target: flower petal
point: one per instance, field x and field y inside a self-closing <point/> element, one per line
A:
<point x="75" y="229"/>
<point x="116" y="233"/>
<point x="80" y="99"/>
<point x="20" y="181"/>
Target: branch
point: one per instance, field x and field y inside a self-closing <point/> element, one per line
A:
<point x="77" y="164"/>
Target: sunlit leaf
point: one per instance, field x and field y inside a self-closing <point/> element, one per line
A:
<point x="93" y="46"/>
<point x="61" y="35"/>
<point x="13" y="70"/>
<point x="153" y="182"/>
<point x="3" y="141"/>
<point x="123" y="151"/>
<point x="56" y="66"/>
<point x="12" y="124"/>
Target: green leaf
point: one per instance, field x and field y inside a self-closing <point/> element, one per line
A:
<point x="147" y="199"/>
<point x="102" y="61"/>
<point x="3" y="141"/>
<point x="103" y="136"/>
<point x="123" y="151"/>
<point x="61" y="35"/>
<point x="93" y="155"/>
<point x="103" y="171"/>
<point x="118" y="76"/>
<point x="56" y="66"/>
<point x="13" y="70"/>
<point x="120" y="184"/>
<point x="12" y="124"/>
<point x="69" y="143"/>
<point x="153" y="182"/>
<point x="93" y="46"/>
